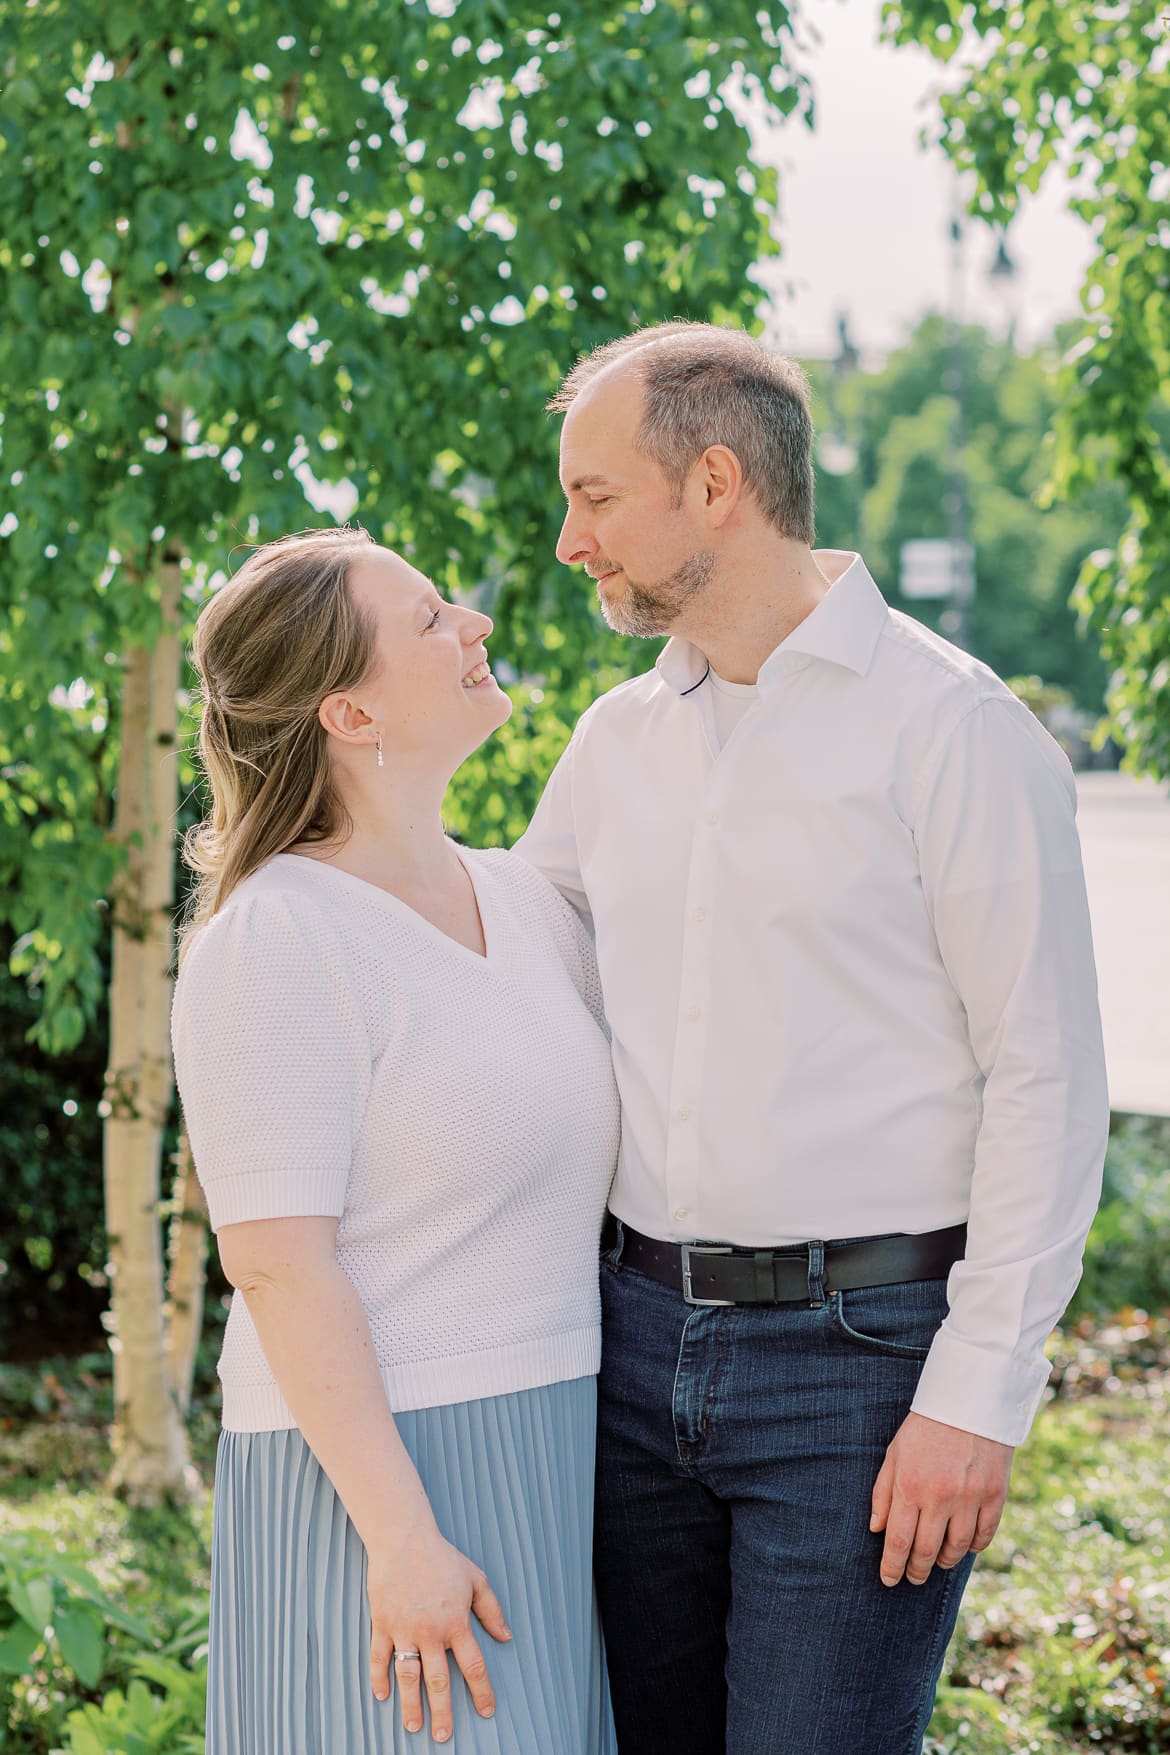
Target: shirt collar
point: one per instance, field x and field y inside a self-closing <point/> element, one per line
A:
<point x="843" y="629"/>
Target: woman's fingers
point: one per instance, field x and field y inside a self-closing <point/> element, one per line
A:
<point x="380" y="1664"/>
<point x="437" y="1677"/>
<point x="408" y="1675"/>
<point x="467" y="1654"/>
<point x="486" y="1604"/>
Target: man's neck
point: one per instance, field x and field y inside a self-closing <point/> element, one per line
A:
<point x="754" y="602"/>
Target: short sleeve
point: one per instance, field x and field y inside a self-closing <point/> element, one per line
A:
<point x="272" y="1060"/>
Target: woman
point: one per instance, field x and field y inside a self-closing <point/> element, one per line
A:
<point x="400" y="1102"/>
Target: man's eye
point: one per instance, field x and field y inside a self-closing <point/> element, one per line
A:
<point x="601" y="500"/>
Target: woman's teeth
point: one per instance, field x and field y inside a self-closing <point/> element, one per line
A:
<point x="478" y="675"/>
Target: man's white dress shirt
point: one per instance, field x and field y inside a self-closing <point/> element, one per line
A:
<point x="847" y="964"/>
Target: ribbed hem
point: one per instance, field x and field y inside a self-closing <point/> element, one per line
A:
<point x="274" y="1194"/>
<point x="436" y="1383"/>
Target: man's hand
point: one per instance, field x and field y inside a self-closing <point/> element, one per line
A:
<point x="939" y="1495"/>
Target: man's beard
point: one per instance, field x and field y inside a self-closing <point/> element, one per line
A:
<point x="646" y="611"/>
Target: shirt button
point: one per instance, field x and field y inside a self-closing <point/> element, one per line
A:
<point x="682" y="1212"/>
<point x="711" y="818"/>
<point x="694" y="1014"/>
<point x="700" y="914"/>
<point x="684" y="1115"/>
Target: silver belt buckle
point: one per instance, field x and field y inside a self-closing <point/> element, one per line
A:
<point x="688" y="1250"/>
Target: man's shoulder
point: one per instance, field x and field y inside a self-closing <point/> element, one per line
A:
<point x="929" y="675"/>
<point x="617" y="705"/>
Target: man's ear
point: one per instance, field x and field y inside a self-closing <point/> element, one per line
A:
<point x="722" y="480"/>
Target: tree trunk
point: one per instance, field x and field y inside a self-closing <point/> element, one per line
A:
<point x="149" y="1437"/>
<point x="186" y="1276"/>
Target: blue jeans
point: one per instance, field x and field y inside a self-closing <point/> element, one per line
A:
<point x="737" y="1575"/>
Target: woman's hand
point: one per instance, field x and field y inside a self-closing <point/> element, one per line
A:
<point x="422" y="1594"/>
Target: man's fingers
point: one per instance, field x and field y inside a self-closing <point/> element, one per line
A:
<point x="901" y="1525"/>
<point x="928" y="1539"/>
<point x="882" y="1497"/>
<point x="959" y="1536"/>
<point x="986" y="1524"/>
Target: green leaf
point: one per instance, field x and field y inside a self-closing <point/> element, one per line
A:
<point x="17" y="1645"/>
<point x="81" y="1639"/>
<point x="32" y="1598"/>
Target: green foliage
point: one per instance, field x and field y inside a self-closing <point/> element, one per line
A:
<point x="896" y="420"/>
<point x="1127" y="1258"/>
<point x="165" y="1720"/>
<point x="145" y="1573"/>
<point x="1035" y="78"/>
<point x="55" y="1622"/>
<point x="51" y="1225"/>
<point x="244" y="250"/>
<point x="1064" y="1638"/>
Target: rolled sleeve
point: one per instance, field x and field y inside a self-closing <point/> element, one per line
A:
<point x="1002" y="877"/>
<point x="272" y="1062"/>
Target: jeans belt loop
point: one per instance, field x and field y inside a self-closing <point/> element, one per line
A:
<point x="621" y="1240"/>
<point x="816" y="1275"/>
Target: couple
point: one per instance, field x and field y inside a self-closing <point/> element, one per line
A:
<point x="835" y="1023"/>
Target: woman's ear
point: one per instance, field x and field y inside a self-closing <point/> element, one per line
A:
<point x="343" y="719"/>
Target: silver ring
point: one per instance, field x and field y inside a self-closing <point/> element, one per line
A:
<point x="401" y="1656"/>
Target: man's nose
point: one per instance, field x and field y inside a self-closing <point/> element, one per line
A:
<point x="574" y="543"/>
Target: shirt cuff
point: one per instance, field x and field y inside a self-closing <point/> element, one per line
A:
<point x="980" y="1390"/>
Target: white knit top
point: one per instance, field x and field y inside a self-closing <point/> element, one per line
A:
<point x="337" y="1054"/>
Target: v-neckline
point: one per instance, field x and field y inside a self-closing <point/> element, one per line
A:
<point x="428" y="927"/>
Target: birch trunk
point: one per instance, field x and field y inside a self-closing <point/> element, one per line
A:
<point x="149" y="1436"/>
<point x="186" y="1276"/>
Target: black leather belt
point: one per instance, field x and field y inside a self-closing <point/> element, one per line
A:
<point x="722" y="1273"/>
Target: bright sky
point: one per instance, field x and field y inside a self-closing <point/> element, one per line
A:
<point x="864" y="209"/>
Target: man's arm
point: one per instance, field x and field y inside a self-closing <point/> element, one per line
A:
<point x="1002" y="877"/>
<point x="550" y="841"/>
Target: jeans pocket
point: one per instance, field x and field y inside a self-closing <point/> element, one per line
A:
<point x="897" y="1321"/>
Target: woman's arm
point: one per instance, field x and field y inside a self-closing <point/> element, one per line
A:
<point x="318" y="1345"/>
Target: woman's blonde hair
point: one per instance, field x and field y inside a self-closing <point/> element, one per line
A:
<point x="271" y="644"/>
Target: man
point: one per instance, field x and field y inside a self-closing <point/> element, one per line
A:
<point x="833" y="871"/>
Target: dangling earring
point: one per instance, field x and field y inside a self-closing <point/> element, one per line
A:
<point x="378" y="745"/>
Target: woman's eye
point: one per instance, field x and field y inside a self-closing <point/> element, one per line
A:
<point x="433" y="620"/>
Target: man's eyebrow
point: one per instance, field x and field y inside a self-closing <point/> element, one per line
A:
<point x="584" y="481"/>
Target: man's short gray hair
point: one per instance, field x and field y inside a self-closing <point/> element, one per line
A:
<point x="710" y="386"/>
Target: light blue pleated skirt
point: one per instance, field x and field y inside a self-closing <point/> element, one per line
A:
<point x="510" y="1480"/>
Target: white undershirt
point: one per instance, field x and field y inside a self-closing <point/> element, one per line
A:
<point x="729" y="702"/>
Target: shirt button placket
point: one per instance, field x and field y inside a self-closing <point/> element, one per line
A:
<point x="683" y="1167"/>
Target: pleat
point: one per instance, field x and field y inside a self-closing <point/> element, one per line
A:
<point x="510" y="1481"/>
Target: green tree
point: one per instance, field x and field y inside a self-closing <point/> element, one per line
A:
<point x="1067" y="81"/>
<point x="244" y="249"/>
<point x="897" y="421"/>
